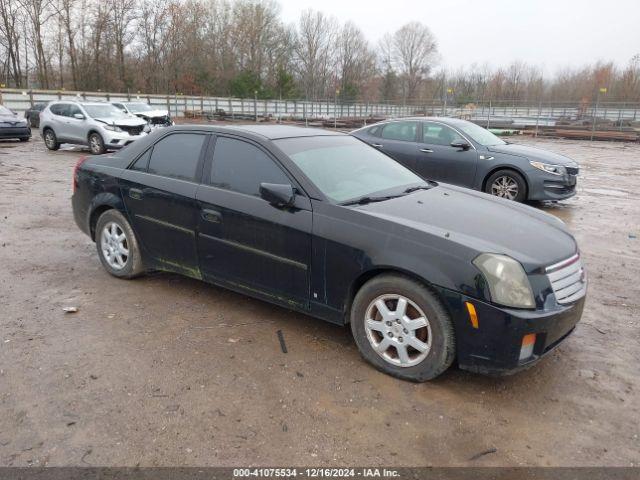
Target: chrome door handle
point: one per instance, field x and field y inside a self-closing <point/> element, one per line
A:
<point x="377" y="145"/>
<point x="426" y="150"/>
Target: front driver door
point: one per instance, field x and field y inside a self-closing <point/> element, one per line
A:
<point x="159" y="193"/>
<point x="245" y="242"/>
<point x="438" y="160"/>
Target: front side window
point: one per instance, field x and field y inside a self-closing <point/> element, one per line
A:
<point x="177" y="156"/>
<point x="138" y="107"/>
<point x="72" y="110"/>
<point x="480" y="135"/>
<point x="344" y="168"/>
<point x="438" y="134"/>
<point x="59" y="109"/>
<point x="404" y="131"/>
<point x="241" y="167"/>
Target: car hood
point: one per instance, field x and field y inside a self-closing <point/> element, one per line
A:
<point x="532" y="153"/>
<point x="122" y="122"/>
<point x="482" y="223"/>
<point x="152" y="114"/>
<point x="11" y="119"/>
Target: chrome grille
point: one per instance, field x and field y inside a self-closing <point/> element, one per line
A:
<point x="568" y="279"/>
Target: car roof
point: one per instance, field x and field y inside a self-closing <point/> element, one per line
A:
<point x="275" y="132"/>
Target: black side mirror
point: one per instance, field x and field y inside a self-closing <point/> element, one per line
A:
<point x="461" y="144"/>
<point x="279" y="195"/>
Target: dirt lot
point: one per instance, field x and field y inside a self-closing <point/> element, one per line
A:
<point x="166" y="370"/>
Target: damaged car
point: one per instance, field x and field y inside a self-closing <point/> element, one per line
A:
<point x="98" y="125"/>
<point x="155" y="117"/>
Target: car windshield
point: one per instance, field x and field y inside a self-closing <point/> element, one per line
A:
<point x="103" y="111"/>
<point x="5" y="111"/>
<point x="480" y="135"/>
<point x="344" y="168"/>
<point x="138" y="107"/>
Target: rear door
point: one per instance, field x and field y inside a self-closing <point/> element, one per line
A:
<point x="243" y="240"/>
<point x="437" y="160"/>
<point x="159" y="193"/>
<point x="398" y="140"/>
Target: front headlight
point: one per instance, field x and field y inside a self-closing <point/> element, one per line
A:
<point x="508" y="282"/>
<point x="113" y="128"/>
<point x="547" y="167"/>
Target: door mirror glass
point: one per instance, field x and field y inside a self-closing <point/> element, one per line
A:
<point x="279" y="195"/>
<point x="79" y="116"/>
<point x="461" y="144"/>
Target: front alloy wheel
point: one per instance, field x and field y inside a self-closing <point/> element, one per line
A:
<point x="398" y="330"/>
<point x="507" y="184"/>
<point x="96" y="144"/>
<point x="50" y="140"/>
<point x="402" y="328"/>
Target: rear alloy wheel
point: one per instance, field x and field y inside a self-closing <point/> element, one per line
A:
<point x="96" y="144"/>
<point x="402" y="329"/>
<point x="50" y="139"/>
<point x="507" y="184"/>
<point x="117" y="245"/>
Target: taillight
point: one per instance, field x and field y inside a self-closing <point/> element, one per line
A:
<point x="79" y="163"/>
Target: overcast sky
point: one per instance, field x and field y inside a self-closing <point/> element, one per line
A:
<point x="550" y="33"/>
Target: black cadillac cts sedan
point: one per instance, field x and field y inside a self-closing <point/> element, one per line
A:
<point x="425" y="274"/>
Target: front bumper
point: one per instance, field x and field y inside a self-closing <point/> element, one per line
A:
<point x="15" y="132"/>
<point x="494" y="347"/>
<point x="117" y="140"/>
<point x="546" y="186"/>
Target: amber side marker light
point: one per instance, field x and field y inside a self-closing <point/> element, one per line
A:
<point x="528" y="341"/>
<point x="473" y="316"/>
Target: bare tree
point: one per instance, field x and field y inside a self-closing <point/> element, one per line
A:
<point x="10" y="39"/>
<point x="123" y="14"/>
<point x="314" y="52"/>
<point x="414" y="53"/>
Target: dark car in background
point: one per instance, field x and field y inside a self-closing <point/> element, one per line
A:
<point x="323" y="224"/>
<point x="33" y="114"/>
<point x="462" y="153"/>
<point x="12" y="126"/>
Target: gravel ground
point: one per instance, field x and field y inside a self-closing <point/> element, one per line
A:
<point x="165" y="370"/>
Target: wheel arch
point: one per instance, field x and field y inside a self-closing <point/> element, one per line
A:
<point x="508" y="168"/>
<point x="100" y="204"/>
<point x="365" y="276"/>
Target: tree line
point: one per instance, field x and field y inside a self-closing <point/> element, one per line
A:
<point x="243" y="48"/>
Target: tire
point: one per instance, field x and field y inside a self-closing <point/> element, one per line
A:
<point x="110" y="224"/>
<point x="50" y="139"/>
<point x="96" y="144"/>
<point x="437" y="335"/>
<point x="507" y="184"/>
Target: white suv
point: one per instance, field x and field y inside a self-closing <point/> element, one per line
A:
<point x="101" y="126"/>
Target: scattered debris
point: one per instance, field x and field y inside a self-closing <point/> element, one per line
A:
<point x="283" y="345"/>
<point x="70" y="424"/>
<point x="233" y="340"/>
<point x="483" y="453"/>
<point x="70" y="309"/>
<point x="93" y="377"/>
<point x="632" y="236"/>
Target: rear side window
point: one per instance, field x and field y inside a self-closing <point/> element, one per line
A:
<point x="404" y="131"/>
<point x="142" y="163"/>
<point x="241" y="167"/>
<point x="177" y="156"/>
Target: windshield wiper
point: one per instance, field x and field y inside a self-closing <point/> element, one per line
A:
<point x="419" y="187"/>
<point x="367" y="199"/>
